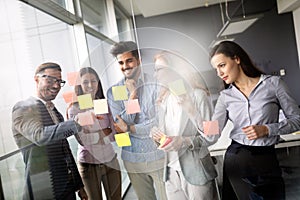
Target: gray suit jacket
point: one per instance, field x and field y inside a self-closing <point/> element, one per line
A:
<point x="195" y="162"/>
<point x="50" y="170"/>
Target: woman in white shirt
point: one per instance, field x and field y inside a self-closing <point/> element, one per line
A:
<point x="189" y="170"/>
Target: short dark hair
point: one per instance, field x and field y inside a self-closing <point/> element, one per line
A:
<point x="47" y="65"/>
<point x="125" y="46"/>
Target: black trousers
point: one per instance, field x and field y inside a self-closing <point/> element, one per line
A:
<point x="252" y="173"/>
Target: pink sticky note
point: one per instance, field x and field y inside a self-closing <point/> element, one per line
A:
<point x="70" y="97"/>
<point x="73" y="78"/>
<point x="132" y="106"/>
<point x="211" y="127"/>
<point x="86" y="118"/>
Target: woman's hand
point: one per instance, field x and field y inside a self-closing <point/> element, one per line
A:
<point x="156" y="134"/>
<point x="255" y="131"/>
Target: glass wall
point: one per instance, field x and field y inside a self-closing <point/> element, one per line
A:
<point x="29" y="37"/>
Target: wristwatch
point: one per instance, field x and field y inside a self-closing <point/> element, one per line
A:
<point x="128" y="127"/>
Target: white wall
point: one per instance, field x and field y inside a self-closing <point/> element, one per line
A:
<point x="296" y="17"/>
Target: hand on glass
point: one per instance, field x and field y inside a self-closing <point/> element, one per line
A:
<point x="255" y="131"/>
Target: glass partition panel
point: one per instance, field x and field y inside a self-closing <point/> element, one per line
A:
<point x="94" y="14"/>
<point x="12" y="176"/>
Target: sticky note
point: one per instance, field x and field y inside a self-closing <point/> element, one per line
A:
<point x="73" y="78"/>
<point x="122" y="139"/>
<point x="100" y="106"/>
<point x="132" y="106"/>
<point x="70" y="97"/>
<point x="119" y="93"/>
<point x="89" y="138"/>
<point x="85" y="101"/>
<point x="86" y="118"/>
<point x="211" y="127"/>
<point x="177" y="87"/>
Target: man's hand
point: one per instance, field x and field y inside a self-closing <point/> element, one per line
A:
<point x="82" y="194"/>
<point x="131" y="86"/>
<point x="120" y="126"/>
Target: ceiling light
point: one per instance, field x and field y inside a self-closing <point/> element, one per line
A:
<point x="238" y="25"/>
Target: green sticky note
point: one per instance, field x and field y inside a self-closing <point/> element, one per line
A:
<point x="122" y="139"/>
<point x="85" y="101"/>
<point x="119" y="93"/>
<point x="177" y="87"/>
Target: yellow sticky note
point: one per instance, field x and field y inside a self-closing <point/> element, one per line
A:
<point x="119" y="93"/>
<point x="70" y="97"/>
<point x="100" y="106"/>
<point x="73" y="78"/>
<point x="85" y="101"/>
<point x="211" y="127"/>
<point x="132" y="106"/>
<point x="177" y="87"/>
<point x="85" y="118"/>
<point x="122" y="139"/>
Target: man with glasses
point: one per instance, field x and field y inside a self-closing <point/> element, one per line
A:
<point x="40" y="132"/>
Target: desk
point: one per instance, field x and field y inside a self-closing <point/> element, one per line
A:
<point x="289" y="140"/>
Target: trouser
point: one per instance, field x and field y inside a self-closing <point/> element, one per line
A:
<point x="147" y="179"/>
<point x="252" y="172"/>
<point x="108" y="174"/>
<point x="179" y="189"/>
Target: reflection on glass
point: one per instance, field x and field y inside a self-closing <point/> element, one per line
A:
<point x="66" y="4"/>
<point x="94" y="14"/>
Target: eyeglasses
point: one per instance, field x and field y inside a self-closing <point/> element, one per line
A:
<point x="52" y="80"/>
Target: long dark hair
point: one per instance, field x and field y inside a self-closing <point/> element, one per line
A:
<point x="233" y="50"/>
<point x="89" y="70"/>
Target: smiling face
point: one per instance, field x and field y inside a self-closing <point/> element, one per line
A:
<point x="129" y="65"/>
<point x="89" y="84"/>
<point x="228" y="69"/>
<point x="47" y="89"/>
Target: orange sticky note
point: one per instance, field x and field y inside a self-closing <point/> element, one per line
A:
<point x="73" y="78"/>
<point x="70" y="97"/>
<point x="86" y="118"/>
<point x="177" y="87"/>
<point x="211" y="127"/>
<point x="100" y="106"/>
<point x="85" y="101"/>
<point x="119" y="93"/>
<point x="132" y="106"/>
<point x="122" y="139"/>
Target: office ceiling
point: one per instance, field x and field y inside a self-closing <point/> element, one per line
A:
<point x="149" y="8"/>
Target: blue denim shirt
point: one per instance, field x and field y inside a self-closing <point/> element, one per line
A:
<point x="142" y="148"/>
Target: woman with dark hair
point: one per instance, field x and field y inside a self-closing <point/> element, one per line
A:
<point x="252" y="103"/>
<point x="96" y="156"/>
